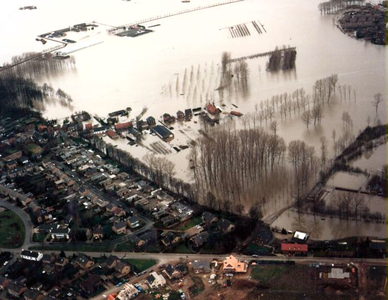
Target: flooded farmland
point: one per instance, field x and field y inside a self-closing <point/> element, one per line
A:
<point x="150" y="70"/>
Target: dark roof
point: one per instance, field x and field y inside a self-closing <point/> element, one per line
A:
<point x="31" y="294"/>
<point x="162" y="131"/>
<point x="151" y="279"/>
<point x="201" y="238"/>
<point x="208" y="216"/>
<point x="201" y="264"/>
<point x="110" y="260"/>
<point x="224" y="224"/>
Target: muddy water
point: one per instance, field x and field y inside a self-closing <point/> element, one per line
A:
<point x="138" y="72"/>
<point x="372" y="160"/>
<point x="328" y="228"/>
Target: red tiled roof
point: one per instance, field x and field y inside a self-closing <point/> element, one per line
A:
<point x="294" y="247"/>
<point x="123" y="125"/>
<point x="211" y="109"/>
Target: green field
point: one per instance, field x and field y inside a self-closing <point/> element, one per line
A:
<point x="182" y="248"/>
<point x="188" y="224"/>
<point x="267" y="273"/>
<point x="12" y="231"/>
<point x="141" y="264"/>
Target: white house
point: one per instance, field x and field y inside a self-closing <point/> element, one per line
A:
<point x="60" y="233"/>
<point x="128" y="292"/>
<point x="31" y="255"/>
<point x="155" y="280"/>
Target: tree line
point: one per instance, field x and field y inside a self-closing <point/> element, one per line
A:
<point x="282" y="59"/>
<point x="45" y="65"/>
<point x="334" y="6"/>
<point x="234" y="167"/>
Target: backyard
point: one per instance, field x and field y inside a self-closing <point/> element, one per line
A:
<point x="141" y="264"/>
<point x="12" y="230"/>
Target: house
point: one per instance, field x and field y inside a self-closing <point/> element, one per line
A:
<point x="122" y="268"/>
<point x="123" y="126"/>
<point x="225" y="226"/>
<point x="11" y="164"/>
<point x="84" y="261"/>
<point x="61" y="261"/>
<point x="134" y="222"/>
<point x="188" y="114"/>
<point x="136" y="240"/>
<point x="16" y="289"/>
<point x="180" y="115"/>
<point x="155" y="280"/>
<point x="4" y="282"/>
<point x="167" y="118"/>
<point x="91" y="284"/>
<point x="201" y="266"/>
<point x="32" y="295"/>
<point x="151" y="121"/>
<point x="112" y="134"/>
<point x="99" y="130"/>
<point x="48" y="258"/>
<point x="175" y="272"/>
<point x="142" y="125"/>
<point x="111" y="261"/>
<point x="208" y="218"/>
<point x="129" y="291"/>
<point x="120" y="227"/>
<point x="31" y="255"/>
<point x="294" y="248"/>
<point x="233" y="265"/>
<point x="98" y="233"/>
<point x="163" y="133"/>
<point x="119" y="212"/>
<point x="200" y="239"/>
<point x="211" y="109"/>
<point x="170" y="238"/>
<point x="60" y="233"/>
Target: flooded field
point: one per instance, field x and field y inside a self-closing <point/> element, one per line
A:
<point x="346" y="180"/>
<point x="328" y="228"/>
<point x="372" y="160"/>
<point x="154" y="70"/>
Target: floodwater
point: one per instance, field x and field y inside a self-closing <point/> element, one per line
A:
<point x="373" y="160"/>
<point x="328" y="228"/>
<point x="144" y="71"/>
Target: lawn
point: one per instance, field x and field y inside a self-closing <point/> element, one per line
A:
<point x="125" y="247"/>
<point x="12" y="231"/>
<point x="141" y="264"/>
<point x="267" y="273"/>
<point x="189" y="223"/>
<point x="38" y="237"/>
<point x="182" y="248"/>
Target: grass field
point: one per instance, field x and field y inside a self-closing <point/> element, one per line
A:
<point x="141" y="264"/>
<point x="267" y="273"/>
<point x="189" y="223"/>
<point x="12" y="231"/>
<point x="182" y="248"/>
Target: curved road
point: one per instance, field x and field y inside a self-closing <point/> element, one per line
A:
<point x="25" y="219"/>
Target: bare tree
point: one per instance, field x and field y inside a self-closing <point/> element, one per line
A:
<point x="306" y="118"/>
<point x="274" y="127"/>
<point x="377" y="100"/>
